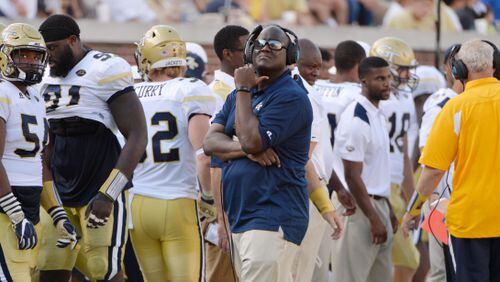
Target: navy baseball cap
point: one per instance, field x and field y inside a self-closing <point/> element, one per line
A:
<point x="195" y="66"/>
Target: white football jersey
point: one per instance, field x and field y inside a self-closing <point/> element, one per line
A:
<point x="168" y="170"/>
<point x="432" y="107"/>
<point x="401" y="119"/>
<point x="319" y="131"/>
<point x="26" y="134"/>
<point x="88" y="88"/>
<point x="335" y="97"/>
<point x="221" y="86"/>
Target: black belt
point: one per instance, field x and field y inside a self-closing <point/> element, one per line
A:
<point x="376" y="197"/>
<point x="74" y="126"/>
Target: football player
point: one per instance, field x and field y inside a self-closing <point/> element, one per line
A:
<point x="336" y="96"/>
<point x="340" y="92"/>
<point x="23" y="134"/>
<point x="400" y="112"/>
<point x="166" y="232"/>
<point x="317" y="171"/>
<point x="88" y="95"/>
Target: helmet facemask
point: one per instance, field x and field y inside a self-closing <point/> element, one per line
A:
<point x="27" y="73"/>
<point x="402" y="83"/>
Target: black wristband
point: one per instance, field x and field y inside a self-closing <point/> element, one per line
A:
<point x="243" y="89"/>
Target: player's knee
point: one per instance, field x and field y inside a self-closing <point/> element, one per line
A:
<point x="97" y="266"/>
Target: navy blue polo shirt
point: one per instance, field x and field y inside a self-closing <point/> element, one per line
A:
<point x="267" y="198"/>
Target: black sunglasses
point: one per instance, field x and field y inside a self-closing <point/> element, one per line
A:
<point x="273" y="44"/>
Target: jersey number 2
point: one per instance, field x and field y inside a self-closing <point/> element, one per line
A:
<point x="173" y="154"/>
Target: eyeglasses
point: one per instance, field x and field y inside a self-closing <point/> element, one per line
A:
<point x="273" y="44"/>
<point x="236" y="49"/>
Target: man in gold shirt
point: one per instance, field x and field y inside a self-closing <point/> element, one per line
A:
<point x="467" y="132"/>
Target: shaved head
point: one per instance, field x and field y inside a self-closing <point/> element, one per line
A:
<point x="310" y="61"/>
<point x="308" y="50"/>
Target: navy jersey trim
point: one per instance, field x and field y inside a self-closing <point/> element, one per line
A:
<point x="118" y="237"/>
<point x="195" y="114"/>
<point x="361" y="113"/>
<point x="442" y="103"/>
<point x="202" y="244"/>
<point x="119" y="93"/>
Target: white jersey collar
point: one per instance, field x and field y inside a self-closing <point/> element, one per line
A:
<point x="225" y="78"/>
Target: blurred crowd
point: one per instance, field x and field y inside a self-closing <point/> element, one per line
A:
<point x="456" y="15"/>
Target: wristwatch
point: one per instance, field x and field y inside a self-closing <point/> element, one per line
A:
<point x="243" y="89"/>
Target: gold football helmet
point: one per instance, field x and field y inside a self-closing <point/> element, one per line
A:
<point x="17" y="37"/>
<point x="401" y="59"/>
<point x="161" y="47"/>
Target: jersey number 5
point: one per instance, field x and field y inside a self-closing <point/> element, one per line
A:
<point x="173" y="154"/>
<point x="31" y="137"/>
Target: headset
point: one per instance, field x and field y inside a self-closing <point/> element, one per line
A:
<point x="292" y="51"/>
<point x="459" y="69"/>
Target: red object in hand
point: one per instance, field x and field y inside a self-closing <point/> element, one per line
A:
<point x="434" y="225"/>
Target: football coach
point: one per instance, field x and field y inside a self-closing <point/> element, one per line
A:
<point x="467" y="132"/>
<point x="264" y="188"/>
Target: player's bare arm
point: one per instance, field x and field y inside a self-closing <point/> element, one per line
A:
<point x="429" y="179"/>
<point x="129" y="117"/>
<point x="344" y="196"/>
<point x="408" y="182"/>
<point x="319" y="197"/>
<point x="197" y="129"/>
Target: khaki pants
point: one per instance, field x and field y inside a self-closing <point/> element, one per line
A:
<point x="354" y="257"/>
<point x="308" y="251"/>
<point x="219" y="266"/>
<point x="321" y="267"/>
<point x="261" y="255"/>
<point x="218" y="263"/>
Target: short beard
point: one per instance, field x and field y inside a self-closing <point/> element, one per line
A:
<point x="64" y="65"/>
